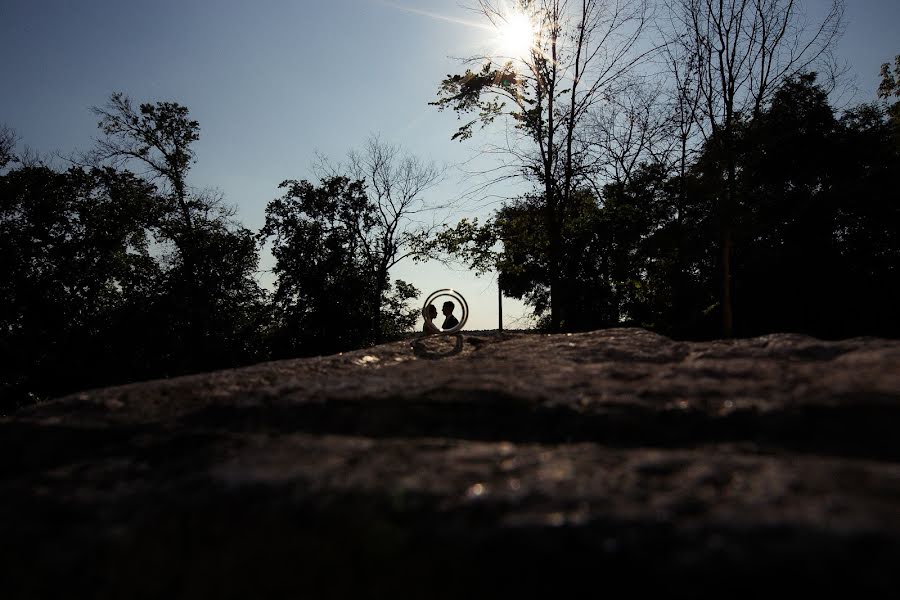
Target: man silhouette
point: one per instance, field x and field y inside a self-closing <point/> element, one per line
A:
<point x="450" y="321"/>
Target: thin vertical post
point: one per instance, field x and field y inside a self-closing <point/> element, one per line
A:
<point x="499" y="306"/>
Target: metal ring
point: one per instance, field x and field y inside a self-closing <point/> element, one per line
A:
<point x="431" y="327"/>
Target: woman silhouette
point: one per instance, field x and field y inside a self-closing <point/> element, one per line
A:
<point x="429" y="326"/>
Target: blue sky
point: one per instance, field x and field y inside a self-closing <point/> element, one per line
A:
<point x="274" y="81"/>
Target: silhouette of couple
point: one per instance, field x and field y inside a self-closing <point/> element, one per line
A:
<point x="449" y="320"/>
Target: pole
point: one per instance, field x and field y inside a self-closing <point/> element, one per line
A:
<point x="499" y="306"/>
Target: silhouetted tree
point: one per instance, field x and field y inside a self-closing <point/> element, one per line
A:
<point x="524" y="265"/>
<point x="820" y="224"/>
<point x="7" y="145"/>
<point x="214" y="301"/>
<point x="326" y="268"/>
<point x="739" y="52"/>
<point x="581" y="53"/>
<point x="402" y="217"/>
<point x="158" y="138"/>
<point x="817" y="231"/>
<point x="890" y="88"/>
<point x="73" y="255"/>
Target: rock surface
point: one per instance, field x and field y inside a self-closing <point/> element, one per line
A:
<point x="517" y="465"/>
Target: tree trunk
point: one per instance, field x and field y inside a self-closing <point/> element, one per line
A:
<point x="551" y="199"/>
<point x="727" y="243"/>
<point x="557" y="298"/>
<point x="727" y="311"/>
<point x="376" y="309"/>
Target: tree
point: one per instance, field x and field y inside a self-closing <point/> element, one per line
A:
<point x="890" y="81"/>
<point x="401" y="218"/>
<point x="788" y="160"/>
<point x="627" y="131"/>
<point x="867" y="218"/>
<point x="816" y="229"/>
<point x="888" y="88"/>
<point x="210" y="277"/>
<point x="580" y="55"/>
<point x="739" y="51"/>
<point x="606" y="245"/>
<point x="323" y="243"/>
<point x="523" y="265"/>
<point x="7" y="145"/>
<point x="73" y="254"/>
<point x="157" y="137"/>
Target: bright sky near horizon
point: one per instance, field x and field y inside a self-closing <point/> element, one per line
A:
<point x="272" y="82"/>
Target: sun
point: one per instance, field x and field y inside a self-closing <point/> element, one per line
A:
<point x="515" y="36"/>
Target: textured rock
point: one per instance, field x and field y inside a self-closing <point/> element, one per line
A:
<point x="518" y="465"/>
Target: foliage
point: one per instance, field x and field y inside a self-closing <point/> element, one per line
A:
<point x="468" y="242"/>
<point x="890" y="87"/>
<point x="580" y="55"/>
<point x="211" y="292"/>
<point x="735" y="56"/>
<point x="119" y="270"/>
<point x="398" y="213"/>
<point x="74" y="250"/>
<point x="328" y="297"/>
<point x="815" y="218"/>
<point x="890" y="81"/>
<point x="111" y="276"/>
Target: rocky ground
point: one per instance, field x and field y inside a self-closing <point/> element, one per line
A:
<point x="517" y="465"/>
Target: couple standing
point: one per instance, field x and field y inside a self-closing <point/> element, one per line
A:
<point x="449" y="320"/>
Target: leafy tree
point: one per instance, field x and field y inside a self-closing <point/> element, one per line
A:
<point x="402" y="218"/>
<point x="472" y="243"/>
<point x="890" y="81"/>
<point x="600" y="253"/>
<point x="73" y="252"/>
<point x="867" y="223"/>
<point x="816" y="226"/>
<point x="735" y="55"/>
<point x="890" y="88"/>
<point x="816" y="230"/>
<point x="213" y="299"/>
<point x="158" y="138"/>
<point x="580" y="55"/>
<point x="322" y="244"/>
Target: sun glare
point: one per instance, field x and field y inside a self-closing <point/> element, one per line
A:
<point x="516" y="36"/>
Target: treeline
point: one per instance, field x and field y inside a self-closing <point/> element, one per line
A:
<point x="115" y="269"/>
<point x="815" y="225"/>
<point x="688" y="172"/>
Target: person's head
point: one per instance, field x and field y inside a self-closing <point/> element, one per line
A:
<point x="432" y="311"/>
<point x="448" y="308"/>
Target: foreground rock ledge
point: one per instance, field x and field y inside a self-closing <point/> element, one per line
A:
<point x="480" y="466"/>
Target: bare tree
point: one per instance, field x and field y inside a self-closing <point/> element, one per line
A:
<point x="397" y="184"/>
<point x="731" y="55"/>
<point x="684" y="91"/>
<point x="8" y="141"/>
<point x="628" y="130"/>
<point x="582" y="51"/>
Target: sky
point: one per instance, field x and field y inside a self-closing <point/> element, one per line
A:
<point x="274" y="82"/>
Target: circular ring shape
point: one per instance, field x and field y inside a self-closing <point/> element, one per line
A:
<point x="431" y="327"/>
